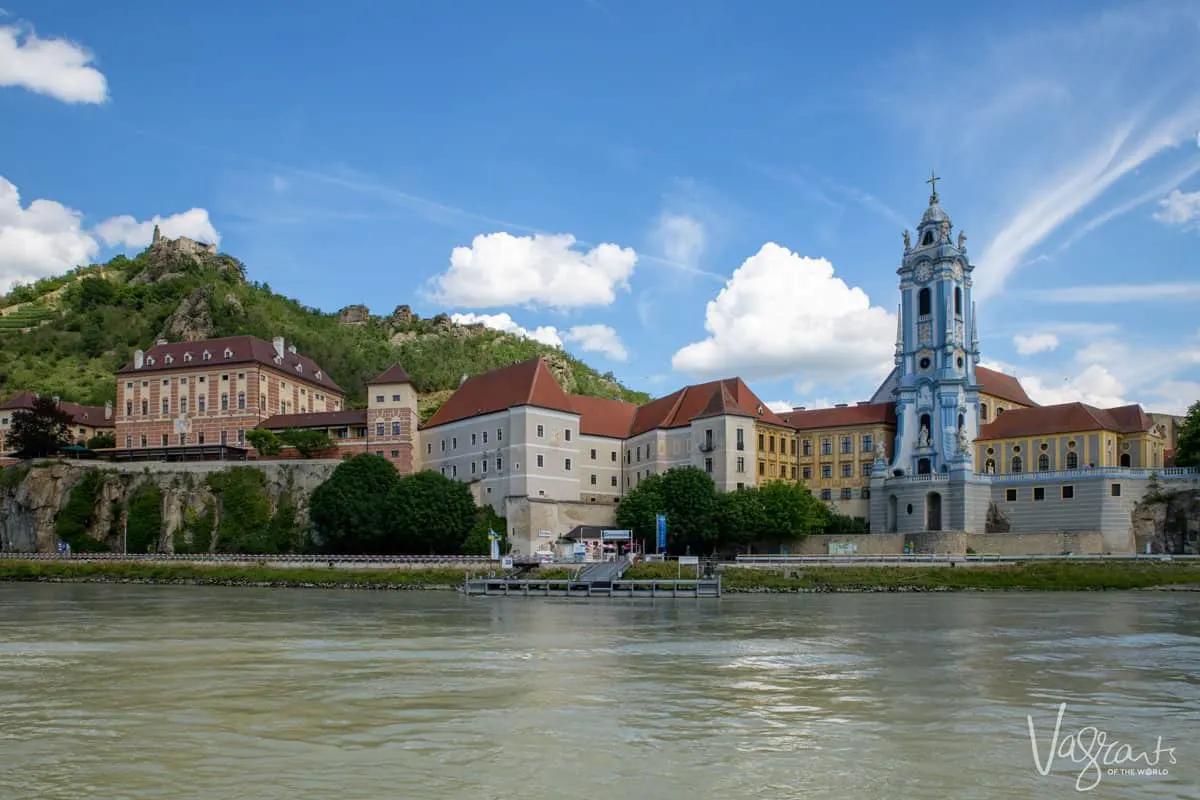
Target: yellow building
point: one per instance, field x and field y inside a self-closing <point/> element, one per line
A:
<point x="837" y="451"/>
<point x="999" y="393"/>
<point x="1069" y="436"/>
<point x="775" y="451"/>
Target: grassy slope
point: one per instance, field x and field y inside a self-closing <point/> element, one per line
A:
<point x="67" y="335"/>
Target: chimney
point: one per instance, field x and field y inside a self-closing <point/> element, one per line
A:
<point x="278" y="342"/>
<point x="159" y="342"/>
<point x="463" y="380"/>
<point x="108" y="409"/>
<point x="799" y="408"/>
<point x="292" y="349"/>
<point x="139" y="358"/>
<point x="841" y="405"/>
<point x="864" y="402"/>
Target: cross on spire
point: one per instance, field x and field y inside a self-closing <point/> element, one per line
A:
<point x="933" y="179"/>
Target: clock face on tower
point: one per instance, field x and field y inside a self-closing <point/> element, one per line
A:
<point x="923" y="271"/>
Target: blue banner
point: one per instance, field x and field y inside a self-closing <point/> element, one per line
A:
<point x="661" y="522"/>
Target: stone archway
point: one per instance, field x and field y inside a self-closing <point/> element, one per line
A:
<point x="933" y="511"/>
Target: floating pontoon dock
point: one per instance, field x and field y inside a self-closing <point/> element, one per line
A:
<point x="565" y="587"/>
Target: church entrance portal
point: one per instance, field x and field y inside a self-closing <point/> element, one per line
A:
<point x="933" y="511"/>
<point x="923" y="466"/>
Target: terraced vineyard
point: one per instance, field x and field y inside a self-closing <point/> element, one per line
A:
<point x="25" y="317"/>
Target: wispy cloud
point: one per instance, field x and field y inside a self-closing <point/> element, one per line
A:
<point x="822" y="189"/>
<point x="1119" y="293"/>
<point x="1054" y="120"/>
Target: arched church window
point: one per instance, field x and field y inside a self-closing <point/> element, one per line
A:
<point x="1126" y="461"/>
<point x="983" y="411"/>
<point x="1016" y="464"/>
<point x="1072" y="460"/>
<point x="924" y="302"/>
<point x="961" y="421"/>
<point x="1043" y="463"/>
<point x="989" y="466"/>
<point x="958" y="301"/>
<point x="925" y="424"/>
<point x="927" y="239"/>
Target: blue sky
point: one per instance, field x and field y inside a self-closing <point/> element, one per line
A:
<point x="675" y="191"/>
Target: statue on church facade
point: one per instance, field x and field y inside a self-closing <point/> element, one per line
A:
<point x="924" y="397"/>
<point x="907" y="241"/>
<point x="962" y="240"/>
<point x="945" y="230"/>
<point x="964" y="444"/>
<point x="923" y="439"/>
<point x="880" y="453"/>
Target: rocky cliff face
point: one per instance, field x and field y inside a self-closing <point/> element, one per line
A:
<point x="32" y="500"/>
<point x="1169" y="522"/>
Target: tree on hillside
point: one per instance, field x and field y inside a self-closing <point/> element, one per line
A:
<point x="1187" y="448"/>
<point x="41" y="430"/>
<point x="348" y="511"/>
<point x="429" y="514"/>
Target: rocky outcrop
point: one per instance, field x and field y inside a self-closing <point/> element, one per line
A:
<point x="1169" y="521"/>
<point x="30" y="502"/>
<point x="354" y="315"/>
<point x="192" y="319"/>
<point x="403" y="315"/>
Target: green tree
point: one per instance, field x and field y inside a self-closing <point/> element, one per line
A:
<point x="639" y="508"/>
<point x="429" y="514"/>
<point x="741" y="517"/>
<point x="76" y="518"/>
<point x="308" y="442"/>
<point x="41" y="430"/>
<point x="143" y="520"/>
<point x="790" y="511"/>
<point x="102" y="441"/>
<point x="690" y="500"/>
<point x="477" y="543"/>
<point x="1187" y="448"/>
<point x="349" y="510"/>
<point x="264" y="441"/>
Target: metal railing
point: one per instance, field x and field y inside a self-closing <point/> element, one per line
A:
<point x="270" y="559"/>
<point x="918" y="558"/>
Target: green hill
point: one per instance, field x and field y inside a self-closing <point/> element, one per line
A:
<point x="67" y="335"/>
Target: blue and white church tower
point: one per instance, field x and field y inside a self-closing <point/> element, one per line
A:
<point x="936" y="393"/>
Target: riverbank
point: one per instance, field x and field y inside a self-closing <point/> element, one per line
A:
<point x="1039" y="576"/>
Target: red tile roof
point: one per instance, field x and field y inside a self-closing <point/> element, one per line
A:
<point x="393" y="374"/>
<point x="319" y="419"/>
<point x="862" y="414"/>
<point x="728" y="396"/>
<point x="1006" y="387"/>
<point x="528" y="383"/>
<point x="91" y="416"/>
<point x="600" y="417"/>
<point x="1065" y="418"/>
<point x="242" y="349"/>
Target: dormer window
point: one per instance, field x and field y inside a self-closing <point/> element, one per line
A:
<point x="187" y="356"/>
<point x="168" y="359"/>
<point x="207" y="356"/>
<point x="278" y="359"/>
<point x="228" y="353"/>
<point x="318" y="374"/>
<point x="150" y="360"/>
<point x="299" y="368"/>
<point x="759" y="410"/>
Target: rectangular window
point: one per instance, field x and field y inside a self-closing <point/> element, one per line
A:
<point x="166" y="406"/>
<point x="867" y="443"/>
<point x="200" y="437"/>
<point x="429" y="448"/>
<point x="453" y="442"/>
<point x="593" y="481"/>
<point x="567" y="464"/>
<point x="395" y="429"/>
<point x="826" y="446"/>
<point x="499" y="434"/>
<point x="128" y="441"/>
<point x="378" y="398"/>
<point x="145" y="408"/>
<point x="541" y="431"/>
<point x="241" y="440"/>
<point x="224" y="402"/>
<point x="793" y="472"/>
<point x="866" y="469"/>
<point x="201" y="402"/>
<point x="826" y="494"/>
<point x="1039" y="493"/>
<point x="847" y="493"/>
<point x="443" y="445"/>
<point x="129" y="409"/>
<point x="793" y="446"/>
<point x="847" y="469"/>
<point x="396" y="454"/>
<point x="1068" y="493"/>
<point x="567" y="434"/>
<point x="593" y="454"/>
<point x="708" y="465"/>
<point x="741" y="439"/>
<point x="613" y="480"/>
<point x="472" y="440"/>
<point x="183" y="405"/>
<point x="379" y="429"/>
<point x="485" y="437"/>
<point x="826" y="470"/>
<point x="806" y="447"/>
<point x="453" y="470"/>
<point x="628" y="455"/>
<point x="847" y="444"/>
<point x="472" y="467"/>
<point x="762" y="468"/>
<point x="761" y="446"/>
<point x="224" y="377"/>
<point x="639" y="452"/>
<point x="741" y="464"/>
<point x="395" y="398"/>
<point x="143" y="440"/>
<point x="224" y="438"/>
<point x="865" y="493"/>
<point x="499" y="464"/>
<point x="540" y="460"/>
<point x="1114" y="490"/>
<point x="483" y="465"/>
<point x="241" y="401"/>
<point x="164" y="440"/>
<point x="771" y="443"/>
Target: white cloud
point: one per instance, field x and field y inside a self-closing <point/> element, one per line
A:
<point x="1094" y="385"/>
<point x="781" y="314"/>
<point x="1178" y="208"/>
<point x="55" y="67"/>
<point x="1027" y="345"/>
<point x="41" y="239"/>
<point x="546" y="334"/>
<point x="780" y="406"/>
<point x="128" y="232"/>
<point x="1119" y="293"/>
<point x="598" y="339"/>
<point x="500" y="269"/>
<point x="681" y="238"/>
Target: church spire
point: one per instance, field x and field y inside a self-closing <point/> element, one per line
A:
<point x="933" y="195"/>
